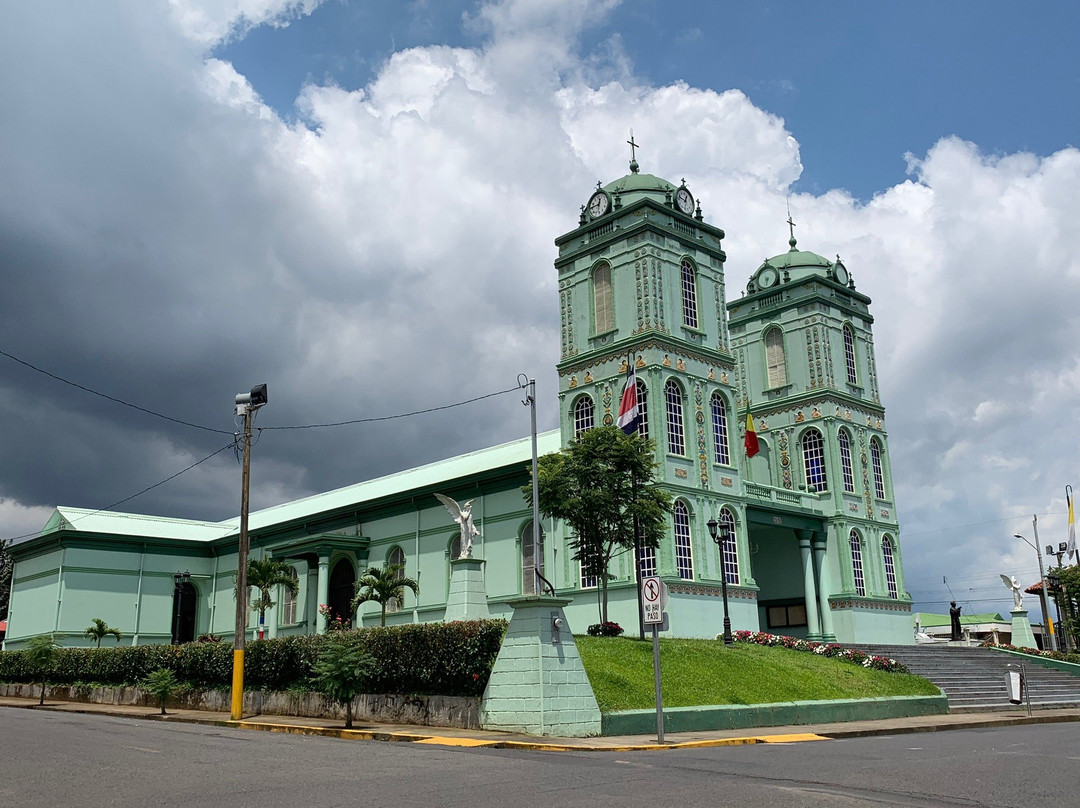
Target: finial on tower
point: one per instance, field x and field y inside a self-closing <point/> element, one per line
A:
<point x="791" y="229"/>
<point x="633" y="153"/>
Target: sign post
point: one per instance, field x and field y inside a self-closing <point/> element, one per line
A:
<point x="653" y="600"/>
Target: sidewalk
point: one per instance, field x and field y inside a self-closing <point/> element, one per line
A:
<point x="448" y="736"/>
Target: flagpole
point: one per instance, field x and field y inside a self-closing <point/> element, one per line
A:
<point x="637" y="535"/>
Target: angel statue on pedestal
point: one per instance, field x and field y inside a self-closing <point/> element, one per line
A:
<point x="462" y="514"/>
<point x="1014" y="587"/>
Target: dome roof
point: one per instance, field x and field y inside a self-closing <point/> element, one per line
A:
<point x="795" y="265"/>
<point x="635" y="186"/>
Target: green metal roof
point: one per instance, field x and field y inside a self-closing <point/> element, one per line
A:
<point x="635" y="186"/>
<point x="935" y="620"/>
<point x="443" y="471"/>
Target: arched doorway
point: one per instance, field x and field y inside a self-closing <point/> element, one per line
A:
<point x="342" y="589"/>
<point x="185" y="599"/>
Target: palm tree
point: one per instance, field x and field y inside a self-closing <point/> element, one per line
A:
<point x="264" y="574"/>
<point x="99" y="630"/>
<point x="383" y="585"/>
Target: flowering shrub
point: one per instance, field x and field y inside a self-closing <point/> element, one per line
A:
<point x="1058" y="655"/>
<point x="607" y="629"/>
<point x="334" y="623"/>
<point x="826" y="649"/>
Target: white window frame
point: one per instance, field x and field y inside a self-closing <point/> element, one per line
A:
<point x="813" y="449"/>
<point x="289" y="600"/>
<point x="849" y="355"/>
<point x="647" y="561"/>
<point x="584" y="410"/>
<point x="643" y="409"/>
<point x="689" y="293"/>
<point x="676" y="426"/>
<point x="879" y="473"/>
<point x="775" y="360"/>
<point x="855" y="541"/>
<point x="603" y="299"/>
<point x="684" y="555"/>
<point x="730" y="557"/>
<point x="890" y="567"/>
<point x="721" y="450"/>
<point x="843" y="440"/>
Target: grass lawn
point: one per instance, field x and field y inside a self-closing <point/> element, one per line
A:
<point x="704" y="672"/>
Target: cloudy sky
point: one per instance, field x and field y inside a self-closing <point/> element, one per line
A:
<point x="355" y="201"/>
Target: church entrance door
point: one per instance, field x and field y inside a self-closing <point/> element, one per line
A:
<point x="342" y="589"/>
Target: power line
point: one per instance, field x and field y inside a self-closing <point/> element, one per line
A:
<point x="392" y="417"/>
<point x="228" y="445"/>
<point x="111" y="398"/>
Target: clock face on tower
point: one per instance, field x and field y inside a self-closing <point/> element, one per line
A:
<point x="685" y="201"/>
<point x="767" y="277"/>
<point x="841" y="273"/>
<point x="598" y="204"/>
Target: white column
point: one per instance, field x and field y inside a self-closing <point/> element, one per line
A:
<point x="324" y="591"/>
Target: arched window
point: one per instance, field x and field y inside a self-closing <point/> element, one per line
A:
<point x="856" y="563"/>
<point x="684" y="562"/>
<point x="890" y="567"/>
<point x="849" y="355"/>
<point x="532" y="560"/>
<point x="875" y="462"/>
<point x="720" y="430"/>
<point x="583" y="415"/>
<point x="647" y="561"/>
<point x="603" y="301"/>
<point x="288" y="602"/>
<point x="675" y="435"/>
<point x="814" y="460"/>
<point x="689" y="294"/>
<point x="455" y="546"/>
<point x="730" y="557"/>
<point x="396" y="558"/>
<point x="845" y="461"/>
<point x="643" y="410"/>
<point x="774" y="358"/>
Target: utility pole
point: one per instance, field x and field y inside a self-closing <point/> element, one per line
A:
<point x="246" y="404"/>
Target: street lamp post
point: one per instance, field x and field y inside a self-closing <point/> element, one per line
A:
<point x="721" y="540"/>
<point x="1042" y="591"/>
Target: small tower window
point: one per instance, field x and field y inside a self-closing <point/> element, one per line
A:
<point x="720" y="430"/>
<point x="675" y="429"/>
<point x="856" y="563"/>
<point x="849" y="355"/>
<point x="879" y="475"/>
<point x="583" y="415"/>
<point x="684" y="562"/>
<point x="689" y="294"/>
<point x="845" y="461"/>
<point x="890" y="568"/>
<point x="603" y="301"/>
<point x="814" y="460"/>
<point x="774" y="358"/>
<point x="730" y="557"/>
<point x="643" y="410"/>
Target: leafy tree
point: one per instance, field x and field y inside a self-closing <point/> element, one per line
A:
<point x="41" y="654"/>
<point x="7" y="564"/>
<point x="1069" y="600"/>
<point x="264" y="574"/>
<point x="161" y="684"/>
<point x="342" y="672"/>
<point x="598" y="485"/>
<point x="383" y="584"/>
<point x="98" y="630"/>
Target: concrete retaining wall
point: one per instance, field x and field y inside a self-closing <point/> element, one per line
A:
<point x="1046" y="662"/>
<point x="691" y="719"/>
<point x="432" y="711"/>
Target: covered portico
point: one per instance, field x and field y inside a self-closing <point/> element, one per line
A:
<point x="327" y="552"/>
<point x="788" y="558"/>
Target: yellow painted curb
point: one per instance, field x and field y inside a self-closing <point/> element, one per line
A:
<point x="444" y="741"/>
<point x="792" y="738"/>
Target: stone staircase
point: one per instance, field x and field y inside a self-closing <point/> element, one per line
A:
<point x="973" y="679"/>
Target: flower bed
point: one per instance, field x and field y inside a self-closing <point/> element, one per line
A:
<point x="1060" y="656"/>
<point x="826" y="649"/>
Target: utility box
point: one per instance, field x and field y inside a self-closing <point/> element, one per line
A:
<point x="1014" y="684"/>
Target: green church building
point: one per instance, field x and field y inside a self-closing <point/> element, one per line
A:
<point x="813" y="539"/>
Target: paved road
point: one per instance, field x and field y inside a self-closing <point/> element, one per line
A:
<point x="62" y="759"/>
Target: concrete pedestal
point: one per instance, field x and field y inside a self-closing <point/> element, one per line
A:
<point x="1022" y="635"/>
<point x="538" y="684"/>
<point x="468" y="596"/>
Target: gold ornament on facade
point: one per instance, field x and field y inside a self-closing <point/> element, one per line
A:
<point x="815" y="414"/>
<point x="799" y="417"/>
<point x="588" y="378"/>
<point x="680" y="365"/>
<point x="573" y="382"/>
<point x="622" y="366"/>
<point x="726" y="481"/>
<point x="712" y="374"/>
<point x="723" y="378"/>
<point x="667" y="361"/>
<point x="640" y="362"/>
<point x="680" y="473"/>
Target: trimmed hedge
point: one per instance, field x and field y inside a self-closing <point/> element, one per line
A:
<point x="435" y="659"/>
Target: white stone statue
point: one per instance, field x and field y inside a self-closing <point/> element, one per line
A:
<point x="463" y="516"/>
<point x="1014" y="587"/>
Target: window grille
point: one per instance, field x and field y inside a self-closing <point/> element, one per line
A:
<point x="647" y="561"/>
<point x="643" y="410"/>
<point x="288" y="601"/>
<point x="849" y="355"/>
<point x="856" y="564"/>
<point x="879" y="475"/>
<point x="845" y="461"/>
<point x="676" y="438"/>
<point x="720" y="430"/>
<point x="603" y="300"/>
<point x="814" y="460"/>
<point x="684" y="563"/>
<point x="890" y="569"/>
<point x="689" y="294"/>
<point x="731" y="553"/>
<point x="583" y="415"/>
